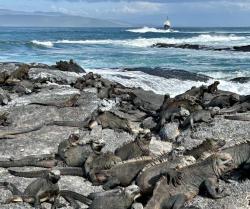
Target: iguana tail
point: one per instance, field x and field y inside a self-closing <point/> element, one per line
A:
<point x="67" y="171"/>
<point x="11" y="187"/>
<point x="80" y="124"/>
<point x="6" y="134"/>
<point x="238" y="117"/>
<point x="76" y="196"/>
<point x="46" y="161"/>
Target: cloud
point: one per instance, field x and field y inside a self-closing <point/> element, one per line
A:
<point x="140" y="6"/>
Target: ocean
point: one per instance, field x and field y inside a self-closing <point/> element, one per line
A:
<point x="109" y="50"/>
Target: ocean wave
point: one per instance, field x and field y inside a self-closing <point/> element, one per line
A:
<point x="162" y="85"/>
<point x="147" y="42"/>
<point x="151" y="30"/>
<point x="43" y="43"/>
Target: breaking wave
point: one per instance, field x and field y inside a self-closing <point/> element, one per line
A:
<point x="151" y="30"/>
<point x="204" y="39"/>
<point x="159" y="84"/>
<point x="43" y="43"/>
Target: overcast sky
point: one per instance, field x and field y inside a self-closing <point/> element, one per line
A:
<point x="146" y="12"/>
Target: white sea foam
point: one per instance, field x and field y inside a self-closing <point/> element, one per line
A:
<point x="43" y="43"/>
<point x="147" y="42"/>
<point x="162" y="85"/>
<point x="151" y="30"/>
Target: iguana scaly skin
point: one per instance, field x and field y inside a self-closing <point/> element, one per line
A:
<point x="152" y="172"/>
<point x="40" y="190"/>
<point x="137" y="148"/>
<point x="65" y="171"/>
<point x="12" y="133"/>
<point x="113" y="199"/>
<point x="112" y="121"/>
<point x="122" y="173"/>
<point x="71" y="102"/>
<point x="238" y="117"/>
<point x="98" y="162"/>
<point x="75" y="154"/>
<point x="199" y="116"/>
<point x="46" y="160"/>
<point x="167" y="196"/>
<point x="71" y="152"/>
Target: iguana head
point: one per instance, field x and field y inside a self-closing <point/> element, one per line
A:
<point x="54" y="176"/>
<point x="144" y="138"/>
<point x="184" y="112"/>
<point x="214" y="144"/>
<point x="74" y="139"/>
<point x="222" y="163"/>
<point x="97" y="144"/>
<point x="132" y="192"/>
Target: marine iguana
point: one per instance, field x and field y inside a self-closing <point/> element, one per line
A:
<point x="200" y="116"/>
<point x="46" y="160"/>
<point x="121" y="198"/>
<point x="11" y="133"/>
<point x="97" y="162"/>
<point x="74" y="154"/>
<point x="213" y="88"/>
<point x="152" y="172"/>
<point x="40" y="190"/>
<point x="202" y="174"/>
<point x="122" y="173"/>
<point x="172" y="113"/>
<point x="237" y="108"/>
<point x="137" y="148"/>
<point x="70" y="152"/>
<point x="71" y="102"/>
<point x="110" y="120"/>
<point x="167" y="196"/>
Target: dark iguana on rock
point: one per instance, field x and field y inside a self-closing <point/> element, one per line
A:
<point x="121" y="198"/>
<point x="11" y="133"/>
<point x="151" y="173"/>
<point x="112" y="121"/>
<point x="40" y="190"/>
<point x="137" y="148"/>
<point x="71" y="102"/>
<point x="75" y="154"/>
<point x="170" y="114"/>
<point x="207" y="172"/>
<point x="203" y="174"/>
<point x="122" y="173"/>
<point x="70" y="152"/>
<point x="98" y="162"/>
<point x="46" y="160"/>
<point x="199" y="116"/>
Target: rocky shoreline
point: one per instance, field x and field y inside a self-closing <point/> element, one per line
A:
<point x="42" y="96"/>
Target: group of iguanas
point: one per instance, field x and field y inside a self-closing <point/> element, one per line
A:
<point x="132" y="175"/>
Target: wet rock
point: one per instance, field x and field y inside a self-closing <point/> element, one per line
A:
<point x="43" y="75"/>
<point x="241" y="79"/>
<point x="169" y="132"/>
<point x="171" y="73"/>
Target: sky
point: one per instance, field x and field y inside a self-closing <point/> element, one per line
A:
<point x="145" y="12"/>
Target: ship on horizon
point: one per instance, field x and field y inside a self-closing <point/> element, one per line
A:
<point x="167" y="24"/>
